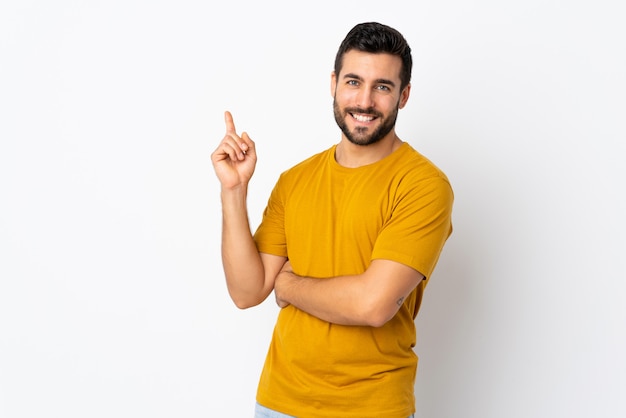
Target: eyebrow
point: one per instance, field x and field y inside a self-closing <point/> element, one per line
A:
<point x="378" y="81"/>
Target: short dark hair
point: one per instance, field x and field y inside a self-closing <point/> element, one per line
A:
<point x="377" y="38"/>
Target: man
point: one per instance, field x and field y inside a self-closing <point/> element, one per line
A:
<point x="348" y="241"/>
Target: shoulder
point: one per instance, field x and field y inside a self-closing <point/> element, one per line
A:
<point x="414" y="167"/>
<point x="309" y="165"/>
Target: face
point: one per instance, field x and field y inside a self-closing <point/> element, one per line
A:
<point x="367" y="96"/>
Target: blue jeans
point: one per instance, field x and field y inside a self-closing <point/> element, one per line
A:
<point x="262" y="412"/>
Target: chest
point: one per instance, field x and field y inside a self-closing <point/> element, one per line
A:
<point x="339" y="208"/>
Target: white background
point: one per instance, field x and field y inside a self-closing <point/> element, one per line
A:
<point x="112" y="297"/>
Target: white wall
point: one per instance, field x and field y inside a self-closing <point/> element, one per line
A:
<point x="112" y="299"/>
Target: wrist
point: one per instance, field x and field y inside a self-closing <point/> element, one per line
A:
<point x="281" y="284"/>
<point x="283" y="281"/>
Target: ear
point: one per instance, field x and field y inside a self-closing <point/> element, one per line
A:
<point x="404" y="96"/>
<point x="333" y="83"/>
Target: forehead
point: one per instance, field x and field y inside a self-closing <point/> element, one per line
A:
<point x="371" y="66"/>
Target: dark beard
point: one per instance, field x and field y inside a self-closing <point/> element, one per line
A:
<point x="359" y="135"/>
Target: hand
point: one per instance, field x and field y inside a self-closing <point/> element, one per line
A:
<point x="283" y="276"/>
<point x="235" y="158"/>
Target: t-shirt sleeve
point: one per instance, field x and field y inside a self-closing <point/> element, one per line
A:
<point x="270" y="235"/>
<point x="419" y="226"/>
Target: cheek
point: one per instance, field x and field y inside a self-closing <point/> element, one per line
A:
<point x="396" y="103"/>
<point x="345" y="97"/>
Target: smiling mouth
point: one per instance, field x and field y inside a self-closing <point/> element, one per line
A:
<point x="362" y="118"/>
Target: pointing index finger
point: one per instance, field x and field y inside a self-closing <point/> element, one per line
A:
<point x="230" y="124"/>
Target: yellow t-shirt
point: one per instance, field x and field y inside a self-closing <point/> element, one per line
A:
<point x="332" y="221"/>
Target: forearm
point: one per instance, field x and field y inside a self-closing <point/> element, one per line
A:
<point x="243" y="267"/>
<point x="343" y="300"/>
<point x="332" y="300"/>
<point x="371" y="298"/>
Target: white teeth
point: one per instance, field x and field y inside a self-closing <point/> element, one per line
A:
<point x="362" y="118"/>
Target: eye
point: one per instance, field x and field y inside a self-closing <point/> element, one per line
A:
<point x="383" y="87"/>
<point x="352" y="83"/>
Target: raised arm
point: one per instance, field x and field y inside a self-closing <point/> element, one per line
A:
<point x="371" y="298"/>
<point x="249" y="275"/>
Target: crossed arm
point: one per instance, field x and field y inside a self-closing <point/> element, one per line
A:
<point x="371" y="298"/>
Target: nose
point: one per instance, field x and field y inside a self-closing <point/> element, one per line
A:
<point x="365" y="98"/>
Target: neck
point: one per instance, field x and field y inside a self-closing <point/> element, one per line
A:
<point x="348" y="154"/>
